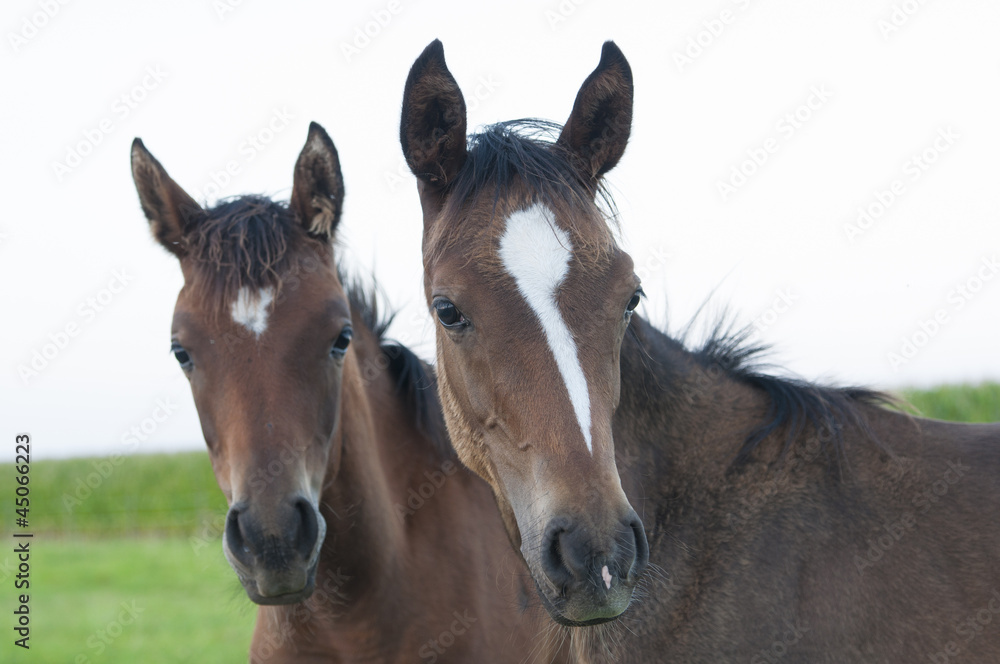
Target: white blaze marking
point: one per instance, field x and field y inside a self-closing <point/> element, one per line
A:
<point x="606" y="575"/>
<point x="250" y="309"/>
<point x="536" y="253"/>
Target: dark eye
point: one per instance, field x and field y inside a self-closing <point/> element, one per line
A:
<point x="182" y="355"/>
<point x="449" y="315"/>
<point x="339" y="347"/>
<point x="634" y="302"/>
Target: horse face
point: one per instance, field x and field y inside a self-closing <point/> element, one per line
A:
<point x="533" y="299"/>
<point x="261" y="329"/>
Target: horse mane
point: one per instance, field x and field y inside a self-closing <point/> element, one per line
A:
<point x="253" y="242"/>
<point x="415" y="380"/>
<point x="793" y="403"/>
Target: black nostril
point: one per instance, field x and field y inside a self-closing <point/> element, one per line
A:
<point x="553" y="555"/>
<point x="234" y="536"/>
<point x="641" y="549"/>
<point x="307" y="528"/>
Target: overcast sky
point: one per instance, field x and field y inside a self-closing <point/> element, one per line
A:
<point x="828" y="170"/>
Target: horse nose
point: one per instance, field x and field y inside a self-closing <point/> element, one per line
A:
<point x="572" y="556"/>
<point x="253" y="545"/>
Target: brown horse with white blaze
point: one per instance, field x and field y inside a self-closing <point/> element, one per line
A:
<point x="785" y="521"/>
<point x="321" y="434"/>
<point x="538" y="431"/>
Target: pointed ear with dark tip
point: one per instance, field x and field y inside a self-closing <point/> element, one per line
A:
<point x="317" y="185"/>
<point x="432" y="127"/>
<point x="599" y="126"/>
<point x="169" y="209"/>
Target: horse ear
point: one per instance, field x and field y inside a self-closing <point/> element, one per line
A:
<point x="317" y="185"/>
<point x="169" y="209"/>
<point x="599" y="126"/>
<point x="432" y="127"/>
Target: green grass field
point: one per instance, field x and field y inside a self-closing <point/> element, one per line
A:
<point x="959" y="403"/>
<point x="144" y="534"/>
<point x="131" y="600"/>
<point x="162" y="494"/>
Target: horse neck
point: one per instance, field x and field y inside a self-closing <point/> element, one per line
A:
<point x="361" y="535"/>
<point x="669" y="415"/>
<point x="382" y="452"/>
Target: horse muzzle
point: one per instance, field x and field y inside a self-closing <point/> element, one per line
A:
<point x="587" y="579"/>
<point x="275" y="552"/>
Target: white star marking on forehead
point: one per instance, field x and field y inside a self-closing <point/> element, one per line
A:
<point x="250" y="309"/>
<point x="536" y="253"/>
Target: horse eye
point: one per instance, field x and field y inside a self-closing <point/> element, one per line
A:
<point x="182" y="355"/>
<point x="449" y="315"/>
<point x="339" y="347"/>
<point x="634" y="302"/>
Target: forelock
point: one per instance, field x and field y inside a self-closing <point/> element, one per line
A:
<point x="510" y="167"/>
<point x="245" y="244"/>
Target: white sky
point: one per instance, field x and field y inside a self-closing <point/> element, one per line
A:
<point x="224" y="77"/>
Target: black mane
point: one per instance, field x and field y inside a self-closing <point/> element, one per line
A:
<point x="415" y="379"/>
<point x="794" y="403"/>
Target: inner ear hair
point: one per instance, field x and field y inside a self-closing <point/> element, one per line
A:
<point x="318" y="185"/>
